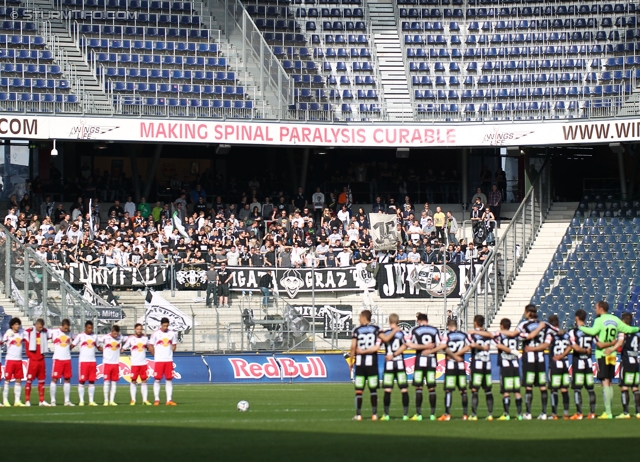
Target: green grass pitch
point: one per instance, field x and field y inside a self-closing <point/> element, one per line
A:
<point x="304" y="422"/>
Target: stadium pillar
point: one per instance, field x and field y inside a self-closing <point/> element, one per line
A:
<point x="152" y="171"/>
<point x="304" y="169"/>
<point x="464" y="177"/>
<point x="623" y="178"/>
<point x="135" y="179"/>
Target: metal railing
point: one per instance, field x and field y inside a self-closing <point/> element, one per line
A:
<point x="491" y="284"/>
<point x="37" y="289"/>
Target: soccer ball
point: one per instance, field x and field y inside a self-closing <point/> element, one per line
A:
<point x="243" y="406"/>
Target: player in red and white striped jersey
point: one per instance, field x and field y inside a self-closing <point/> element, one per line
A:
<point x="162" y="344"/>
<point x="13" y="339"/>
<point x="138" y="344"/>
<point x="36" y="340"/>
<point x="61" y="339"/>
<point x="111" y="346"/>
<point x="88" y="344"/>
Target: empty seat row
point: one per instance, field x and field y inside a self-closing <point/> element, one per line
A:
<point x="24" y="27"/>
<point x="262" y="10"/>
<point x="158" y="60"/>
<point x="342" y="53"/>
<point x="516" y="93"/>
<point x="21" y="40"/>
<point x="142" y="31"/>
<point x="38" y="97"/>
<point x="311" y="26"/>
<point x="329" y="13"/>
<point x="29" y="69"/>
<point x="277" y="24"/>
<point x="150" y="46"/>
<point x="38" y="84"/>
<point x="155" y="74"/>
<point x="138" y="5"/>
<point x="280" y="37"/>
<point x="14" y="55"/>
<point x="186" y="102"/>
<point x="157" y="88"/>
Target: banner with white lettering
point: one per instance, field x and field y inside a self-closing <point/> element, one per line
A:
<point x="336" y="319"/>
<point x="340" y="134"/>
<point x="116" y="276"/>
<point x="384" y="232"/>
<point x="410" y="280"/>
<point x="157" y="307"/>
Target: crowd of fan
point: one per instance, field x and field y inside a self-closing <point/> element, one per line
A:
<point x="305" y="231"/>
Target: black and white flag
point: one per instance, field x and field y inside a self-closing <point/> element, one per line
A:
<point x="158" y="308"/>
<point x="383" y="231"/>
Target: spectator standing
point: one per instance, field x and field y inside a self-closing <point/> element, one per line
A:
<point x="265" y="285"/>
<point x="130" y="206"/>
<point x="439" y="222"/>
<point x="212" y="285"/>
<point x="299" y="202"/>
<point x="144" y="208"/>
<point x="479" y="194"/>
<point x="224" y="278"/>
<point x="197" y="193"/>
<point x="452" y="228"/>
<point x="378" y="206"/>
<point x="495" y="202"/>
<point x="318" y="203"/>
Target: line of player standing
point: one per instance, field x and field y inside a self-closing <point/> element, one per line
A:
<point x="608" y="334"/>
<point x="34" y="340"/>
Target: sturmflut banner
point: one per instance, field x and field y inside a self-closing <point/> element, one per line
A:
<point x="116" y="276"/>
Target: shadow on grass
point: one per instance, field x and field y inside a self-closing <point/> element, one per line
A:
<point x="66" y="441"/>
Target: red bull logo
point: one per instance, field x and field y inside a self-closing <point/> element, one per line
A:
<point x="313" y="368"/>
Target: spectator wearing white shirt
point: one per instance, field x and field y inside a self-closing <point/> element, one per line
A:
<point x="414" y="256"/>
<point x="130" y="206"/>
<point x="343" y="215"/>
<point x="344" y="257"/>
<point x="352" y="234"/>
<point x="318" y="203"/>
<point x="415" y="231"/>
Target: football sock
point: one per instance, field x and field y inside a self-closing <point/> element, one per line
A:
<point x="358" y="402"/>
<point x="607" y="394"/>
<point x="132" y="391"/>
<point x="544" y="397"/>
<point x="27" y="390"/>
<point x="528" y="397"/>
<point x="447" y="402"/>
<point x="113" y="391"/>
<point x="405" y="402"/>
<point x="474" y="402"/>
<point x="419" y="401"/>
<point x="41" y="390"/>
<point x="106" y="390"/>
<point x="168" y="386"/>
<point x="144" y="391"/>
<point x="636" y="396"/>
<point x="625" y="401"/>
<point x="489" y="397"/>
<point x="519" y="405"/>
<point x="52" y="392"/>
<point x="5" y="391"/>
<point x="156" y="390"/>
<point x="465" y="403"/>
<point x="592" y="401"/>
<point x="387" y="402"/>
<point x="92" y="392"/>
<point x="565" y="402"/>
<point x="554" y="402"/>
<point x="66" y="389"/>
<point x="577" y="397"/>
<point x="432" y="402"/>
<point x="506" y="401"/>
<point x="374" y="402"/>
<point x="17" y="391"/>
<point x="81" y="392"/>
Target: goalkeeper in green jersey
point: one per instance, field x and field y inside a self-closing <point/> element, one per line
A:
<point x="605" y="329"/>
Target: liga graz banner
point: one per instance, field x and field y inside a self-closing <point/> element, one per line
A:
<point x="384" y="134"/>
<point x="384" y="232"/>
<point x="410" y="280"/>
<point x="81" y="273"/>
<point x="290" y="281"/>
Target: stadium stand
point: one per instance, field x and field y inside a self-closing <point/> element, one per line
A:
<point x="325" y="47"/>
<point x="30" y="79"/>
<point x="481" y="60"/>
<point x="597" y="259"/>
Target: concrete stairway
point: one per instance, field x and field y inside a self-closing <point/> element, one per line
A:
<point x="388" y="49"/>
<point x="537" y="261"/>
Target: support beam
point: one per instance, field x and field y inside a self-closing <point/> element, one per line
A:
<point x="464" y="177"/>
<point x="152" y="171"/>
<point x="135" y="179"/>
<point x="304" y="169"/>
<point x="623" y="178"/>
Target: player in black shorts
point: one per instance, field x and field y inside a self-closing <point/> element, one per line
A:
<point x="629" y="373"/>
<point x="425" y="339"/>
<point x="393" y="339"/>
<point x="456" y="345"/>
<point x="365" y="343"/>
<point x="480" y="366"/>
<point x="509" y="369"/>
<point x="559" y="349"/>
<point x="582" y="367"/>
<point x="534" y="373"/>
